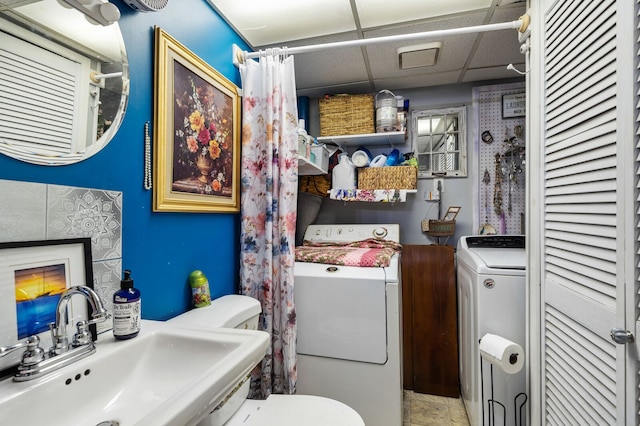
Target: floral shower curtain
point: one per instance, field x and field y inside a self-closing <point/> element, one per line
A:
<point x="269" y="186"/>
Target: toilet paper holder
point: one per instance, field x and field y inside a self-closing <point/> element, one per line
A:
<point x="492" y="403"/>
<point x="508" y="356"/>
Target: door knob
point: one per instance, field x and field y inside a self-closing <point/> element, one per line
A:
<point x="621" y="336"/>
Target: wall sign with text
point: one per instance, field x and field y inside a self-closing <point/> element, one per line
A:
<point x="514" y="105"/>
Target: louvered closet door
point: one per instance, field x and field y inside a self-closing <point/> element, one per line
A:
<point x="588" y="206"/>
<point x="43" y="104"/>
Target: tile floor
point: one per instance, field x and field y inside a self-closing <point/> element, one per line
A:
<point x="431" y="410"/>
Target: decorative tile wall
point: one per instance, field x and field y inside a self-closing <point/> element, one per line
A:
<point x="22" y="211"/>
<point x="37" y="211"/>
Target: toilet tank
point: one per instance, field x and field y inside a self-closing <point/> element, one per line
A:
<point x="231" y="311"/>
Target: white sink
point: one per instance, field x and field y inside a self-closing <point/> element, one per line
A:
<point x="165" y="376"/>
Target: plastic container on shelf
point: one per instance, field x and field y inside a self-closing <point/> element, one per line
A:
<point x="401" y="115"/>
<point x="378" y="161"/>
<point x="360" y="159"/>
<point x="386" y="111"/>
<point x="344" y="174"/>
<point x="321" y="154"/>
<point x="304" y="141"/>
<point x="393" y="159"/>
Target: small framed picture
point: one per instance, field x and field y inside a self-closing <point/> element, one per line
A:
<point x="33" y="277"/>
<point x="451" y="214"/>
<point x="514" y="105"/>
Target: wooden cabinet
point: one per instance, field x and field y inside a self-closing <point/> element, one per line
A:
<point x="430" y="336"/>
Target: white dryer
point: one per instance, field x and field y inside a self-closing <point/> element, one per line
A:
<point x="491" y="299"/>
<point x="349" y="329"/>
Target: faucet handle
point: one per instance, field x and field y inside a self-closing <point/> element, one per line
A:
<point x="82" y="336"/>
<point x="32" y="355"/>
<point x="60" y="343"/>
<point x="31" y="340"/>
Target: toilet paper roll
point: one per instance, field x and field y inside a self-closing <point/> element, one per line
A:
<point x="507" y="355"/>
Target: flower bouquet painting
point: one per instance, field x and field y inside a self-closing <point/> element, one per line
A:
<point x="196" y="133"/>
<point x="203" y="139"/>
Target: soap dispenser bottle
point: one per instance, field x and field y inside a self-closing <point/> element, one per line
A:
<point x="126" y="309"/>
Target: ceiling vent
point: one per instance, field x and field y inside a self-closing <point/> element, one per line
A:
<point x="147" y="5"/>
<point x="421" y="55"/>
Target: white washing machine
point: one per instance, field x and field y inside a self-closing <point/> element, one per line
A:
<point x="491" y="299"/>
<point x="349" y="328"/>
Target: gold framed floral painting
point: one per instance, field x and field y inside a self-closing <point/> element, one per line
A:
<point x="196" y="133"/>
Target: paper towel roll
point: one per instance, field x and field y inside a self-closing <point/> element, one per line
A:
<point x="504" y="353"/>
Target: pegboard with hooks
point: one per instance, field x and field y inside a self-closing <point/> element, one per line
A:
<point x="501" y="149"/>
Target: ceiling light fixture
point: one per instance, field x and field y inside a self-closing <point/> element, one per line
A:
<point x="96" y="11"/>
<point x="420" y="55"/>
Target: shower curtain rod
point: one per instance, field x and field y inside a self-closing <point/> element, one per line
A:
<point x="239" y="55"/>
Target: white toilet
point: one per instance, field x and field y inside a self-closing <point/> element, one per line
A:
<point x="235" y="311"/>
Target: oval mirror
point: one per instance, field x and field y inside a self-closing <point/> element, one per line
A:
<point x="64" y="83"/>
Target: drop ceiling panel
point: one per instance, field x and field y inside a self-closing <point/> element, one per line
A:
<point x="353" y="88"/>
<point x="375" y="13"/>
<point x="368" y="69"/>
<point x="424" y="80"/>
<point x="325" y="68"/>
<point x="266" y="22"/>
<point x="490" y="73"/>
<point x="498" y="47"/>
<point x="329" y="67"/>
<point x="453" y="55"/>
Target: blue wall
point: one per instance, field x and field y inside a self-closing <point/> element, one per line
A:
<point x="160" y="248"/>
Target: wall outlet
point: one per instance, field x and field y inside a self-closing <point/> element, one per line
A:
<point x="435" y="185"/>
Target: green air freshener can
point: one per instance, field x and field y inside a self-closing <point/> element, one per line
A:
<point x="199" y="289"/>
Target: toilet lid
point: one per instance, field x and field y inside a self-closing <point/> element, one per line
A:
<point x="295" y="410"/>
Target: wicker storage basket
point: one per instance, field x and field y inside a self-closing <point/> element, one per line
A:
<point x="316" y="185"/>
<point x="394" y="177"/>
<point x="347" y="115"/>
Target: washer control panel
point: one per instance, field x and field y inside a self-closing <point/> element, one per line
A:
<point x="354" y="232"/>
<point x="496" y="241"/>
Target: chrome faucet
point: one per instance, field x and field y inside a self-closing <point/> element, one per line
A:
<point x="36" y="363"/>
<point x="59" y="328"/>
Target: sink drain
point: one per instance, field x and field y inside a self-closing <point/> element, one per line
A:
<point x="109" y="423"/>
